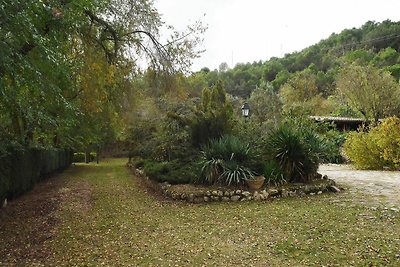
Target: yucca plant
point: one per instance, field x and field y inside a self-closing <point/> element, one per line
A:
<point x="235" y="173"/>
<point x="296" y="152"/>
<point x="226" y="160"/>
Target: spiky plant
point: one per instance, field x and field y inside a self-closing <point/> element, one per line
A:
<point x="296" y="152"/>
<point x="226" y="160"/>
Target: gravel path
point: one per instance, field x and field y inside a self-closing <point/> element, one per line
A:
<point x="376" y="187"/>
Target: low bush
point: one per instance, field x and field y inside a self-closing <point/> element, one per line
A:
<point x="334" y="141"/>
<point x="172" y="172"/>
<point x="273" y="174"/>
<point x="377" y="148"/>
<point x="92" y="156"/>
<point x="79" y="157"/>
<point x="138" y="163"/>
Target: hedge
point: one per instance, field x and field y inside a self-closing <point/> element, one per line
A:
<point x="21" y="169"/>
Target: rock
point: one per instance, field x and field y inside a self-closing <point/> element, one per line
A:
<point x="220" y="193"/>
<point x="273" y="192"/>
<point x="319" y="192"/>
<point x="334" y="189"/>
<point x="165" y="184"/>
<point x="284" y="193"/>
<point x="249" y="198"/>
<point x="238" y="192"/>
<point x="214" y="193"/>
<point x="206" y="199"/>
<point x="235" y="198"/>
<point x="312" y="194"/>
<point x="215" y="198"/>
<point x="225" y="199"/>
<point x="191" y="198"/>
<point x="265" y="194"/>
<point x="292" y="193"/>
<point x="246" y="193"/>
<point x="257" y="196"/>
<point x="227" y="193"/>
<point x="197" y="200"/>
<point x="208" y="193"/>
<point x="183" y="196"/>
<point x="325" y="177"/>
<point x="394" y="209"/>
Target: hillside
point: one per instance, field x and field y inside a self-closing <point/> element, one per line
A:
<point x="373" y="43"/>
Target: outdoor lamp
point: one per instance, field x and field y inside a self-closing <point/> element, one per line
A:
<point x="245" y="110"/>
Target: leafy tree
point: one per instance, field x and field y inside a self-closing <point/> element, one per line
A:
<point x="66" y="62"/>
<point x="213" y="118"/>
<point x="266" y="105"/>
<point x="301" y="96"/>
<point x="369" y="90"/>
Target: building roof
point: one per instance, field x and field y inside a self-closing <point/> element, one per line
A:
<point x="337" y="119"/>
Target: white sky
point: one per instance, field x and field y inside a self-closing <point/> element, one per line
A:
<point x="241" y="31"/>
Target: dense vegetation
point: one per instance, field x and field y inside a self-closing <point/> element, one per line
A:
<point x="67" y="67"/>
<point x="69" y="78"/>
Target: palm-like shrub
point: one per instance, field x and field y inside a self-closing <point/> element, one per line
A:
<point x="297" y="152"/>
<point x="226" y="161"/>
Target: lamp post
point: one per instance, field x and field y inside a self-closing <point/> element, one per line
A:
<point x="245" y="110"/>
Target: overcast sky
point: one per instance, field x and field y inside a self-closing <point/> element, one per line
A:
<point x="241" y="31"/>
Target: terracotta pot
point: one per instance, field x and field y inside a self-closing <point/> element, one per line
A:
<point x="256" y="183"/>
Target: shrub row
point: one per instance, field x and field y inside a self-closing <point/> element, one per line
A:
<point x="173" y="172"/>
<point x="20" y="169"/>
<point x="80" y="157"/>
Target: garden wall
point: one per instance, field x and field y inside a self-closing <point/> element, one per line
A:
<point x="21" y="168"/>
<point x="206" y="194"/>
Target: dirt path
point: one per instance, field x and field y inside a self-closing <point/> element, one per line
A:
<point x="381" y="187"/>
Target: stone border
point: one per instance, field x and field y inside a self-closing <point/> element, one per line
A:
<point x="232" y="195"/>
<point x="238" y="195"/>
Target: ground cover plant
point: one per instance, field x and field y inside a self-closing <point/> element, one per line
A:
<point x="104" y="215"/>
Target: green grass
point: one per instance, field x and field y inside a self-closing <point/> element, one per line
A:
<point x="111" y="220"/>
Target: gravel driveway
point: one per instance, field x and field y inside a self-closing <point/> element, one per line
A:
<point x="377" y="187"/>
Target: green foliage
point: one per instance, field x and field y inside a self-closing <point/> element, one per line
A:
<point x="363" y="151"/>
<point x="297" y="152"/>
<point x="266" y="105"/>
<point x="369" y="90"/>
<point x="374" y="43"/>
<point x="79" y="157"/>
<point x="66" y="66"/>
<point x="377" y="148"/>
<point x="173" y="172"/>
<point x="332" y="152"/>
<point x="273" y="173"/>
<point x="213" y="118"/>
<point x="226" y="160"/>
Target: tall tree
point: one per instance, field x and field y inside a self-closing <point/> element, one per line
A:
<point x="369" y="90"/>
<point x="67" y="60"/>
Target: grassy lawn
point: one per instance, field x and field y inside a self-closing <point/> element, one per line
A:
<point x="106" y="217"/>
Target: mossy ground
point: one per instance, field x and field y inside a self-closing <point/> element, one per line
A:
<point x="102" y="214"/>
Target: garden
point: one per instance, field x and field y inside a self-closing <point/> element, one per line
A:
<point x="217" y="143"/>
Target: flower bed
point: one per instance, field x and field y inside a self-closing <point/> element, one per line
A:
<point x="207" y="194"/>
